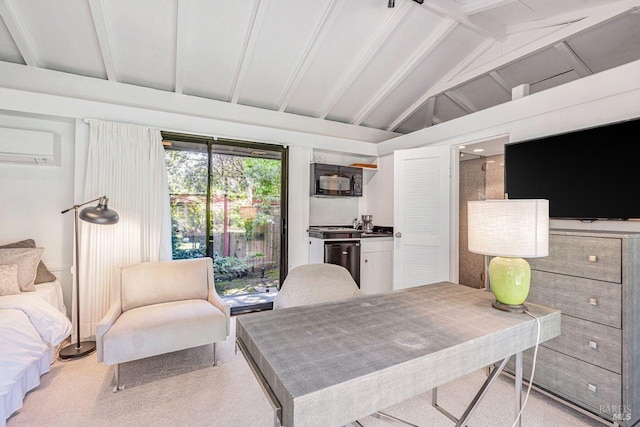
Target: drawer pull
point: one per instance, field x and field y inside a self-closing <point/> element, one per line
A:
<point x="593" y="258"/>
<point x="593" y="344"/>
<point x="592" y="388"/>
<point x="593" y="301"/>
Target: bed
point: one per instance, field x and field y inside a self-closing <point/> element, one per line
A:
<point x="32" y="325"/>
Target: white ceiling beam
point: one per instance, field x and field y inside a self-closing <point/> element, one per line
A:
<point x="434" y="39"/>
<point x="104" y="40"/>
<point x="323" y="29"/>
<point x="479" y="24"/>
<point x="377" y="41"/>
<point x="182" y="15"/>
<point x="479" y="6"/>
<point x="435" y="90"/>
<point x="253" y="32"/>
<point x="538" y="44"/>
<point x="461" y="101"/>
<point x="19" y="33"/>
<point x="430" y="111"/>
<point x="573" y="59"/>
<point x="504" y="82"/>
<point x="26" y="89"/>
<point x="573" y="17"/>
<point x="455" y="78"/>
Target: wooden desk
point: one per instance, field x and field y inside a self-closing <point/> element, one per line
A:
<point x="330" y="364"/>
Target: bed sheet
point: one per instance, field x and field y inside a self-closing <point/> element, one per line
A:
<point x="23" y="359"/>
<point x="52" y="293"/>
<point x="32" y="325"/>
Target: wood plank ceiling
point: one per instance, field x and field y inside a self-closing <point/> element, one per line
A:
<point x="397" y="68"/>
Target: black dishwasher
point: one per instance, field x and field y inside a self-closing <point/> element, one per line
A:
<point x="346" y="254"/>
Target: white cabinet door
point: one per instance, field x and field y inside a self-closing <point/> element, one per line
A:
<point x="421" y="216"/>
<point x="316" y="250"/>
<point x="376" y="266"/>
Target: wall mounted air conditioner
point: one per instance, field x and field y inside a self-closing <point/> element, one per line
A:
<point x="30" y="147"/>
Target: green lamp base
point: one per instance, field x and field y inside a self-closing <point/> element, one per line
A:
<point x="510" y="280"/>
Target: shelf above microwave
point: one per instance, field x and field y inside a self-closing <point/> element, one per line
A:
<point x="370" y="166"/>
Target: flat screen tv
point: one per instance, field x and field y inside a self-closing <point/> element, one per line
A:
<point x="589" y="174"/>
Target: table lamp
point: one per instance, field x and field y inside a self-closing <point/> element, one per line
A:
<point x="509" y="230"/>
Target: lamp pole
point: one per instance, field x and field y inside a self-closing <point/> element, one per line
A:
<point x="100" y="214"/>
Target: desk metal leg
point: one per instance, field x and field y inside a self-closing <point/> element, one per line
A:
<point x="476" y="399"/>
<point x="519" y="386"/>
<point x="391" y="419"/>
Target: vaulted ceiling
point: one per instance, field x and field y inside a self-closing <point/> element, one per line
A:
<point x="398" y="68"/>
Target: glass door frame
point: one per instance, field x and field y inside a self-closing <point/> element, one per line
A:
<point x="284" y="185"/>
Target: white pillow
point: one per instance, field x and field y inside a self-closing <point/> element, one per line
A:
<point x="27" y="260"/>
<point x="9" y="280"/>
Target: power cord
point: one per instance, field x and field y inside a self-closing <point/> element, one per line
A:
<point x="533" y="369"/>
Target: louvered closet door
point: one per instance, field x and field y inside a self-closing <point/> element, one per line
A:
<point x="421" y="216"/>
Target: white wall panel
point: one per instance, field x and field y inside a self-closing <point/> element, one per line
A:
<point x="143" y="41"/>
<point x="600" y="47"/>
<point x="351" y="36"/>
<point x="284" y="35"/>
<point x="299" y="159"/>
<point x="379" y="192"/>
<point x="8" y="50"/>
<point x="63" y="35"/>
<point x="401" y="46"/>
<point x="33" y="197"/>
<point x="216" y="33"/>
<point x="460" y="43"/>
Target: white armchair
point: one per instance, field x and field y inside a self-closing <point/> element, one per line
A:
<point x="161" y="307"/>
<point x="316" y="283"/>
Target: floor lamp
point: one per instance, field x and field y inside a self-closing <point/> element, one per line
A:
<point x="102" y="215"/>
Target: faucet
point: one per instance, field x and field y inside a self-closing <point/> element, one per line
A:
<point x="356" y="223"/>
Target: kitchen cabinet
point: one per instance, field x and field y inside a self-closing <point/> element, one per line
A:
<point x="316" y="250"/>
<point x="376" y="265"/>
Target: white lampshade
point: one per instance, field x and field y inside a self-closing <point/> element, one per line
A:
<point x="509" y="228"/>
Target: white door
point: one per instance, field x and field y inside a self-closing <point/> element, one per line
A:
<point x="421" y="216"/>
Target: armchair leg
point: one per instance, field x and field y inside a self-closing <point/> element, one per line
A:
<point x="118" y="387"/>
<point x="214" y="354"/>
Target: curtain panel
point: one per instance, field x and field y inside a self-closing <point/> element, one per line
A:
<point x="126" y="163"/>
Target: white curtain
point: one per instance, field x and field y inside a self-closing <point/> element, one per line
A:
<point x="126" y="163"/>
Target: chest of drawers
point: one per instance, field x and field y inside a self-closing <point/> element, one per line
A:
<point x="594" y="279"/>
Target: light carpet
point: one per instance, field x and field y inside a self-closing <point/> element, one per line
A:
<point x="183" y="389"/>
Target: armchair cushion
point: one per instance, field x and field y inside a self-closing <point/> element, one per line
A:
<point x="144" y="331"/>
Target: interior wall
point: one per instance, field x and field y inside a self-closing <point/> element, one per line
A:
<point x="480" y="179"/>
<point x="472" y="187"/>
<point x="298" y="221"/>
<point x="379" y="192"/>
<point x="34" y="195"/>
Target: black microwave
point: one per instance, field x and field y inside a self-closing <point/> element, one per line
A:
<point x="335" y="181"/>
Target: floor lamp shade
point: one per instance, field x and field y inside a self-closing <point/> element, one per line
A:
<point x="509" y="230"/>
<point x="99" y="214"/>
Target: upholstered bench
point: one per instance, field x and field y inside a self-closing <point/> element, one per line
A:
<point x="161" y="307"/>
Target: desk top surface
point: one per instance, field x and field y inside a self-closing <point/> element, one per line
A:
<point x="438" y="332"/>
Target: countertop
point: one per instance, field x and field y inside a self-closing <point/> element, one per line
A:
<point x="376" y="234"/>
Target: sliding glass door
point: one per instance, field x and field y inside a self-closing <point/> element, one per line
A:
<point x="228" y="202"/>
